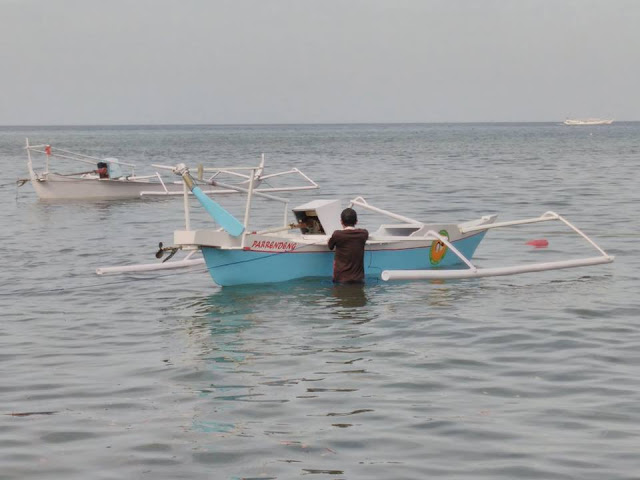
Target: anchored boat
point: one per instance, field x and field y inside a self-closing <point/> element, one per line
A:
<point x="407" y="249"/>
<point x="107" y="179"/>
<point x="300" y="249"/>
<point x="111" y="179"/>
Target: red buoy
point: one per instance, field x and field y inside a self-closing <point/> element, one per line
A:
<point x="540" y="243"/>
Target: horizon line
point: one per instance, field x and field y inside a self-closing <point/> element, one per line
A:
<point x="282" y="124"/>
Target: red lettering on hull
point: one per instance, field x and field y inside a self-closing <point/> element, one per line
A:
<point x="270" y="246"/>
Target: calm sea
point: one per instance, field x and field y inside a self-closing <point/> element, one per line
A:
<point x="171" y="377"/>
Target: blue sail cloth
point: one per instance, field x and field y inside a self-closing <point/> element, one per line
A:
<point x="227" y="221"/>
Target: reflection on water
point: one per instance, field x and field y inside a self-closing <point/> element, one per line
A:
<point x="349" y="296"/>
<point x="233" y="309"/>
<point x="182" y="379"/>
<point x="350" y="303"/>
<point x="247" y="299"/>
<point x="251" y="355"/>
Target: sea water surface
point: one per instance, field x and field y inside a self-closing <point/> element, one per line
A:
<point x="169" y="376"/>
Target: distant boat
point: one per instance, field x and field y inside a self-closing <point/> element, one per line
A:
<point x="588" y="121"/>
<point x="108" y="181"/>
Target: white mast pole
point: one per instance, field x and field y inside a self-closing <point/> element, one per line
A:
<point x="247" y="209"/>
<point x="187" y="220"/>
<point x="29" y="164"/>
<point x="286" y="216"/>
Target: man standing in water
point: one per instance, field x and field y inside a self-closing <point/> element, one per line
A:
<point x="348" y="263"/>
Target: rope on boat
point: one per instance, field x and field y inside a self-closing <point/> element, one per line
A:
<point x="20" y="182"/>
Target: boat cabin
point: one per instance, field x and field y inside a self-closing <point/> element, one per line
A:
<point x="319" y="217"/>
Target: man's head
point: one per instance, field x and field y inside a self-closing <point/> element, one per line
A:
<point x="349" y="217"/>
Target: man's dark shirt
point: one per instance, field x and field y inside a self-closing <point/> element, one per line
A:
<point x="348" y="263"/>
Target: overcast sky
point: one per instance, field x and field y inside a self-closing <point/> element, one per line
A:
<point x="74" y="62"/>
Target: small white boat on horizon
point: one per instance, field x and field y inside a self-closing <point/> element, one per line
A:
<point x="587" y="121"/>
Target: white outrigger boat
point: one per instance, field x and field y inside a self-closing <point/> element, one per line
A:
<point x="107" y="181"/>
<point x="407" y="250"/>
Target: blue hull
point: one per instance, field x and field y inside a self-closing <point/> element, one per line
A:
<point x="239" y="267"/>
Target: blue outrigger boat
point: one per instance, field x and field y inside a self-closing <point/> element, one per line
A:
<point x="407" y="249"/>
<point x="301" y="250"/>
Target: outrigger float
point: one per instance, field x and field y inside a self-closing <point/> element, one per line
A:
<point x="107" y="179"/>
<point x="407" y="250"/>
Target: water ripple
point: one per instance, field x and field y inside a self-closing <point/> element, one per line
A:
<point x="533" y="376"/>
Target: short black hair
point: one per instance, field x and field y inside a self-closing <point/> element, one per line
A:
<point x="349" y="217"/>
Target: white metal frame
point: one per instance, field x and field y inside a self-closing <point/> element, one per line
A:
<point x="251" y="191"/>
<point x="73" y="156"/>
<point x="255" y="175"/>
<point x="475" y="272"/>
<point x="150" y="267"/>
<point x="432" y="274"/>
<point x="361" y="202"/>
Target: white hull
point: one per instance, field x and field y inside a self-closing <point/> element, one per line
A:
<point x="588" y="121"/>
<point x="57" y="187"/>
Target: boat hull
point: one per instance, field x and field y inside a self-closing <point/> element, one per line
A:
<point x="587" y="122"/>
<point x="58" y="187"/>
<point x="230" y="267"/>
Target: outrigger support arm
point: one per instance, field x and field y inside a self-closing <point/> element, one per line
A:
<point x="151" y="267"/>
<point x="361" y="202"/>
<point x="542" y="218"/>
<point x="474" y="272"/>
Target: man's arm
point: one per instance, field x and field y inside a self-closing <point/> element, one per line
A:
<point x="332" y="241"/>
